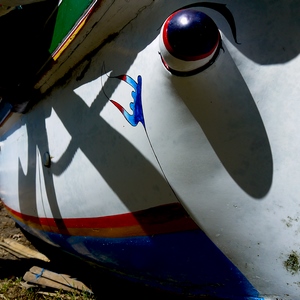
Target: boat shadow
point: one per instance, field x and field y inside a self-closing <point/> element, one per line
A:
<point x="223" y="106"/>
<point x="102" y="283"/>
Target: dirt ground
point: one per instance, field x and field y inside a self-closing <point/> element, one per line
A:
<point x="13" y="268"/>
<point x="8" y="229"/>
<point x="103" y="284"/>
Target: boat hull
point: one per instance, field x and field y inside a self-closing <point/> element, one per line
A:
<point x="183" y="261"/>
<point x="188" y="183"/>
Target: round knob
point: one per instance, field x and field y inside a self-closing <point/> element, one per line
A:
<point x="189" y="40"/>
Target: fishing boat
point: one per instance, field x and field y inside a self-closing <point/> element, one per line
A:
<point x="158" y="139"/>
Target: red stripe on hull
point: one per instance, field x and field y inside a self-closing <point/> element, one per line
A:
<point x="157" y="220"/>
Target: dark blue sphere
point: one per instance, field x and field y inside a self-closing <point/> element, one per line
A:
<point x="190" y="34"/>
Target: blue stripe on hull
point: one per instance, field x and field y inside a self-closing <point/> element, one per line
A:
<point x="186" y="263"/>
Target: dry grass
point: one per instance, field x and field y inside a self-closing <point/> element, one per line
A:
<point x="13" y="288"/>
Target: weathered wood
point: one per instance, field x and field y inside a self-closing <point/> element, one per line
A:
<point x="8" y="249"/>
<point x="27" y="285"/>
<point x="30" y="277"/>
<point x="47" y="294"/>
<point x="23" y="250"/>
<point x="55" y="280"/>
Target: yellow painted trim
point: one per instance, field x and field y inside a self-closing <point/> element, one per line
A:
<point x="69" y="40"/>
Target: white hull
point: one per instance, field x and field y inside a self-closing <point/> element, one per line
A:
<point x="223" y="143"/>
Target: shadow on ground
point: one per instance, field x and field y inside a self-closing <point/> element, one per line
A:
<point x="103" y="284"/>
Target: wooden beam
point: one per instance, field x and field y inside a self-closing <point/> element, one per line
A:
<point x="54" y="280"/>
<point x="25" y="251"/>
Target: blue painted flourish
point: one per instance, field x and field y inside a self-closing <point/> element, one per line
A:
<point x="136" y="106"/>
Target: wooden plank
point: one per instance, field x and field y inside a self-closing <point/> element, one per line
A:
<point x="60" y="279"/>
<point x="27" y="285"/>
<point x="33" y="278"/>
<point x="23" y="250"/>
<point x="9" y="250"/>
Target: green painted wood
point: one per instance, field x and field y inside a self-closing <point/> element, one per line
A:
<point x="68" y="14"/>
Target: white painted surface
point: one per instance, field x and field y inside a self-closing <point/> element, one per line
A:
<point x="210" y="133"/>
